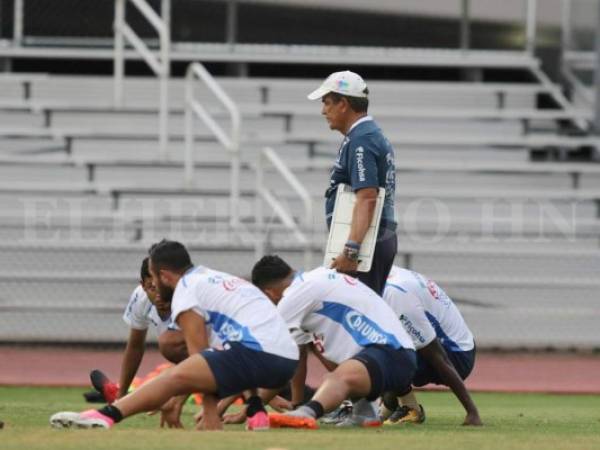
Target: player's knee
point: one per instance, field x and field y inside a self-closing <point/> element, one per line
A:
<point x="180" y="380"/>
<point x="351" y="380"/>
<point x="172" y="346"/>
<point x="344" y="378"/>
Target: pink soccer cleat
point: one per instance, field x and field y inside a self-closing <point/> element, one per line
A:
<point x="258" y="422"/>
<point x="86" y="419"/>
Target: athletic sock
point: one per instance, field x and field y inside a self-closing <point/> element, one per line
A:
<point x="315" y="407"/>
<point x="112" y="412"/>
<point x="255" y="405"/>
<point x="410" y="400"/>
<point x="363" y="407"/>
<point x="390" y="401"/>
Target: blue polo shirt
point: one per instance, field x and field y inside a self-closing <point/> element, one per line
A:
<point x="365" y="159"/>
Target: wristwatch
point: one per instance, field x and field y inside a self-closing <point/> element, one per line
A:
<point x="351" y="250"/>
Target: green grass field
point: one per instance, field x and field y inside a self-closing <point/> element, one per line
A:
<point x="513" y="421"/>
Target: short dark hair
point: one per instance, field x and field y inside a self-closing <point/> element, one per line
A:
<point x="270" y="269"/>
<point x="358" y="104"/>
<point x="170" y="255"/>
<point x="145" y="270"/>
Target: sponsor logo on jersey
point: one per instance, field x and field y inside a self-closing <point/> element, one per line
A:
<point x="359" y="323"/>
<point x="362" y="329"/>
<point x="360" y="164"/>
<point x="231" y="333"/>
<point x="229" y="330"/>
<point x="410" y="328"/>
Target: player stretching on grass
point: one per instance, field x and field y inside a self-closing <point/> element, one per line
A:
<point x="357" y="329"/>
<point x="444" y="343"/>
<point x="144" y="309"/>
<point x="208" y="306"/>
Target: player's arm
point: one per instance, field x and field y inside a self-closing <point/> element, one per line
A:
<point x="329" y="365"/>
<point x="195" y="334"/>
<point x="194" y="331"/>
<point x="132" y="358"/>
<point x="435" y="355"/>
<point x="362" y="214"/>
<point x="299" y="379"/>
<point x="365" y="183"/>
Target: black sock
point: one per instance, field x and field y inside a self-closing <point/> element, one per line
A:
<point x="390" y="401"/>
<point x="255" y="405"/>
<point x="112" y="412"/>
<point x="316" y="407"/>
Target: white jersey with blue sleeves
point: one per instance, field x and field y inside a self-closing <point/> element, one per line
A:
<point x="140" y="313"/>
<point x="426" y="311"/>
<point x="341" y="312"/>
<point x="234" y="311"/>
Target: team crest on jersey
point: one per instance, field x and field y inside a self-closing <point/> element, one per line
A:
<point x="351" y="281"/>
<point x="319" y="342"/>
<point x="231" y="284"/>
<point x="433" y="289"/>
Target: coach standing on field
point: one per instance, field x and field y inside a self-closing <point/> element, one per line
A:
<point x="365" y="162"/>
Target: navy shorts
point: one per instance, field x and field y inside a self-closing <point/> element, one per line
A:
<point x="238" y="368"/>
<point x="389" y="369"/>
<point x="463" y="362"/>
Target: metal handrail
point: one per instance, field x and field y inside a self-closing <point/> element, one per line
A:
<point x="267" y="154"/>
<point x="18" y="19"/>
<point x="160" y="65"/>
<point x="559" y="97"/>
<point x="231" y="142"/>
<point x="579" y="89"/>
<point x="530" y="26"/>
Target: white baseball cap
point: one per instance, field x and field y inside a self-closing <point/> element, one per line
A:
<point x="345" y="83"/>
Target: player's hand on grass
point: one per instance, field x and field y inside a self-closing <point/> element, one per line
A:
<point x="344" y="265"/>
<point x="170" y="413"/>
<point x="473" y="419"/>
<point x="209" y="422"/>
<point x="280" y="404"/>
<point x="235" y="418"/>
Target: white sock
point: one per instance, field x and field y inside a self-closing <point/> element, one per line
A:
<point x="302" y="411"/>
<point x="363" y="407"/>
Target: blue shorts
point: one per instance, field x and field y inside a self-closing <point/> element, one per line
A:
<point x="238" y="368"/>
<point x="389" y="369"/>
<point x="463" y="362"/>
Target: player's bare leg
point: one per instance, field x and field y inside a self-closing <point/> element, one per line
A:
<point x="192" y="375"/>
<point x="349" y="379"/>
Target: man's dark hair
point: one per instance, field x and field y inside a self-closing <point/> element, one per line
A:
<point x="145" y="269"/>
<point x="270" y="269"/>
<point x="358" y="104"/>
<point x="170" y="255"/>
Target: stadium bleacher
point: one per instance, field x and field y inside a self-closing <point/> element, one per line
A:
<point x="83" y="192"/>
